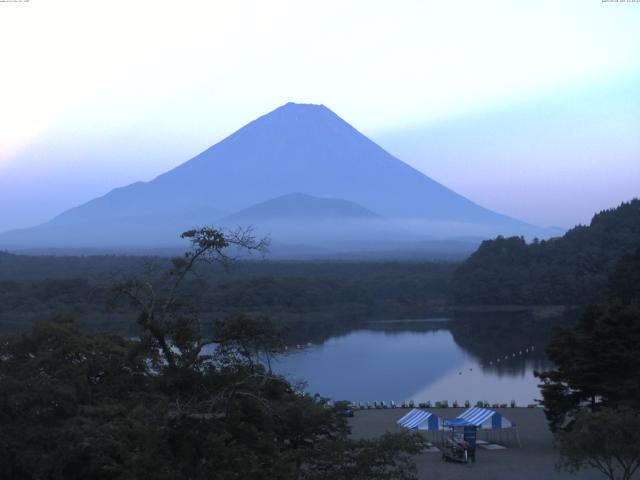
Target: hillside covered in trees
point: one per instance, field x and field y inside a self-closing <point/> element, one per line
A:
<point x="573" y="269"/>
<point x="322" y="294"/>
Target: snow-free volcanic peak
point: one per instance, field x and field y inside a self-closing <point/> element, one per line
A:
<point x="302" y="148"/>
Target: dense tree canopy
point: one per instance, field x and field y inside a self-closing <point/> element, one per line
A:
<point x="597" y="361"/>
<point x="592" y="397"/>
<point x="176" y="403"/>
<point x="607" y="440"/>
<point x="330" y="294"/>
<point x="571" y="270"/>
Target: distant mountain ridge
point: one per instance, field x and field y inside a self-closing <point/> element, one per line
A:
<point x="295" y="148"/>
<point x="301" y="207"/>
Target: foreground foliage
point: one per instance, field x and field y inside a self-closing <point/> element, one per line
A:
<point x="607" y="440"/>
<point x="598" y="360"/>
<point x="592" y="398"/>
<point x="174" y="404"/>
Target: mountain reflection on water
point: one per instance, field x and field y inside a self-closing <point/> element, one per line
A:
<point x="427" y="360"/>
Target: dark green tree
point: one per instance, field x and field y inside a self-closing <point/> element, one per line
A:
<point x="66" y="400"/>
<point x="182" y="402"/>
<point x="607" y="440"/>
<point x="597" y="361"/>
<point x="389" y="457"/>
<point x="568" y="270"/>
<point x="592" y="397"/>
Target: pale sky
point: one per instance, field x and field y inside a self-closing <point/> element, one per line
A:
<point x="98" y="94"/>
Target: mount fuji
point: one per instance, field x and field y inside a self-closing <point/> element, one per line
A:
<point x="300" y="165"/>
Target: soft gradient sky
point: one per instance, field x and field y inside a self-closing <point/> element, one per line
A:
<point x="531" y="108"/>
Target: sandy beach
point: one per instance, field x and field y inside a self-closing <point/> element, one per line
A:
<point x="535" y="460"/>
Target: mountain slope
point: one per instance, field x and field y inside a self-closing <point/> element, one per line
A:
<point x="300" y="207"/>
<point x="572" y="269"/>
<point x="295" y="148"/>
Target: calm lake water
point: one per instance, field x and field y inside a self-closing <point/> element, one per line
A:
<point x="401" y="362"/>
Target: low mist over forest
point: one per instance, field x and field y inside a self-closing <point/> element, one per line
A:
<point x="504" y="271"/>
<point x="299" y="174"/>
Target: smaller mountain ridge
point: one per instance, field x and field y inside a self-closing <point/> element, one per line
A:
<point x="302" y="207"/>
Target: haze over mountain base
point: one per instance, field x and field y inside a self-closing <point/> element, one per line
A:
<point x="300" y="175"/>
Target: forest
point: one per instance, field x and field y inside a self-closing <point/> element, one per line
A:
<point x="300" y="294"/>
<point x="80" y="400"/>
<point x="569" y="270"/>
<point x="76" y="405"/>
<point x="309" y="297"/>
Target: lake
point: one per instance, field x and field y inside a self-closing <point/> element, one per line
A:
<point x="421" y="361"/>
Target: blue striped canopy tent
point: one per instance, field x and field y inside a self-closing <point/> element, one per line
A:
<point x="418" y="419"/>
<point x="480" y="418"/>
<point x="483" y="419"/>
